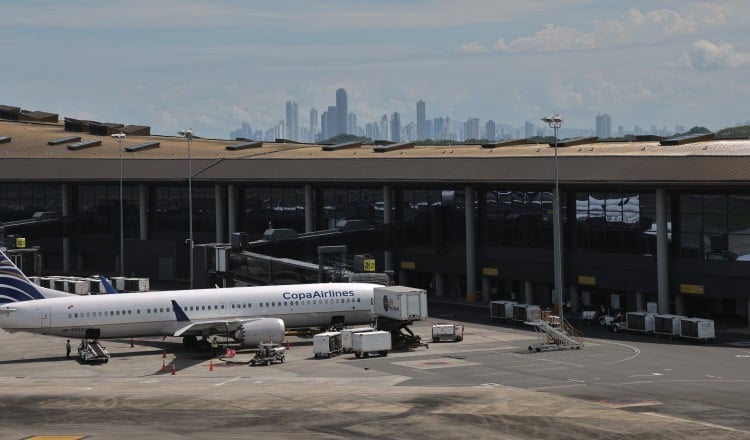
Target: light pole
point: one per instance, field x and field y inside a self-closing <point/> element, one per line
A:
<point x="555" y="122"/>
<point x="120" y="137"/>
<point x="188" y="134"/>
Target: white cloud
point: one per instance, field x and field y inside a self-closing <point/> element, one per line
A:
<point x="551" y="38"/>
<point x="704" y="55"/>
<point x="473" y="47"/>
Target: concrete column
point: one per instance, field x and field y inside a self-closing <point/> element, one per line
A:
<point x="528" y="292"/>
<point x="471" y="250"/>
<point x="748" y="313"/>
<point x="219" y="207"/>
<point x="440" y="287"/>
<point x="232" y="208"/>
<point x="142" y="211"/>
<point x="639" y="301"/>
<point x="66" y="208"/>
<point x="309" y="209"/>
<point x="662" y="257"/>
<point x="679" y="304"/>
<point x="388" y="219"/>
<point x="575" y="304"/>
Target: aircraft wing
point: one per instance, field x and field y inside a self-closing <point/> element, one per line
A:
<point x="214" y="326"/>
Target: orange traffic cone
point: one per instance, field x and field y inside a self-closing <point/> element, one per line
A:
<point x="163" y="366"/>
<point x="287" y="344"/>
<point x="174" y="370"/>
<point x="211" y="365"/>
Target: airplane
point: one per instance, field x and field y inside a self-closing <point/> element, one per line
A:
<point x="249" y="315"/>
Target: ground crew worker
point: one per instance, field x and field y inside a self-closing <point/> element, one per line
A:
<point x="214" y="346"/>
<point x="67" y="349"/>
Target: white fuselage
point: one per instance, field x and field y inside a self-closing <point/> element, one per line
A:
<point x="152" y="313"/>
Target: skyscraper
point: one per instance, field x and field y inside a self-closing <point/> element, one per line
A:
<point x="313" y="125"/>
<point x="421" y="121"/>
<point x="342" y="112"/>
<point x="292" y="121"/>
<point x="528" y="130"/>
<point x="603" y="126"/>
<point x="489" y="129"/>
<point x="471" y="129"/>
<point x="351" y="123"/>
<point x="396" y="127"/>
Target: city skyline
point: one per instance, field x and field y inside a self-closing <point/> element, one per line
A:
<point x="213" y="66"/>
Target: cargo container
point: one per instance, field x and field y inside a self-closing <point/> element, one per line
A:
<point x="346" y="337"/>
<point x="447" y="332"/>
<point x="327" y="344"/>
<point x="401" y="303"/>
<point x="364" y="344"/>
<point x="526" y="313"/>
<point x="667" y="325"/>
<point x="698" y="329"/>
<point x="640" y="322"/>
<point x="502" y="310"/>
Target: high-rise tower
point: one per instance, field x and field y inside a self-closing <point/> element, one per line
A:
<point x="342" y="112"/>
<point x="292" y="121"/>
<point x="421" y="121"/>
<point x="603" y="126"/>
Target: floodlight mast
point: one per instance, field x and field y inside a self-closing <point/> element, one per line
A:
<point x="188" y="134"/>
<point x="120" y="138"/>
<point x="555" y="122"/>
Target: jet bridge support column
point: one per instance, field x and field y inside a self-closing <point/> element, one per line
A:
<point x="309" y="209"/>
<point x="388" y="219"/>
<point x="219" y="208"/>
<point x="662" y="248"/>
<point x="66" y="200"/>
<point x="142" y="211"/>
<point x="232" y="208"/>
<point x="471" y="263"/>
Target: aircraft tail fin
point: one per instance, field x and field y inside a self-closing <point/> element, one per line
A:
<point x="108" y="287"/>
<point x="15" y="286"/>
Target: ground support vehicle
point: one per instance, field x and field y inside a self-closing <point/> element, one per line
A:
<point x="268" y="353"/>
<point x="667" y="325"/>
<point x="613" y="324"/>
<point x="501" y="310"/>
<point x="401" y="335"/>
<point x="401" y="303"/>
<point x="523" y="313"/>
<point x="365" y="344"/>
<point x="699" y="329"/>
<point x="91" y="351"/>
<point x="447" y="332"/>
<point x="327" y="344"/>
<point x="346" y="337"/>
<point x="640" y="322"/>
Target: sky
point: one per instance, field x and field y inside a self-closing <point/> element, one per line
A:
<point x="211" y="65"/>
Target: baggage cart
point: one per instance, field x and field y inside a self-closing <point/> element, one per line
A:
<point x="667" y="325"/>
<point x="698" y="329"/>
<point x="447" y="332"/>
<point x="640" y="322"/>
<point x="364" y="344"/>
<point x="346" y="337"/>
<point x="327" y="344"/>
<point x="501" y="310"/>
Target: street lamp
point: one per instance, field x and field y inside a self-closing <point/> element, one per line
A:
<point x="120" y="138"/>
<point x="188" y="134"/>
<point x="555" y="122"/>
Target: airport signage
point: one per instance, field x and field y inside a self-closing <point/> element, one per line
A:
<point x="490" y="271"/>
<point x="369" y="265"/>
<point x="587" y="280"/>
<point x="410" y="265"/>
<point x="694" y="289"/>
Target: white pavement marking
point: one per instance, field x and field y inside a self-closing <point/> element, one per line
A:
<point x="227" y="381"/>
<point x="635" y="349"/>
<point x="710" y="425"/>
<point x="647" y="375"/>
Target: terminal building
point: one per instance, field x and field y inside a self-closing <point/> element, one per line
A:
<point x="648" y="220"/>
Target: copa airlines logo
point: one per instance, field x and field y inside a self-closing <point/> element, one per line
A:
<point x="318" y="294"/>
<point x="14" y="286"/>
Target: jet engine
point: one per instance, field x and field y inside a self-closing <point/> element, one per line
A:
<point x="260" y="330"/>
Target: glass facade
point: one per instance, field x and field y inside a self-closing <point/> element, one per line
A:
<point x="715" y="226"/>
<point x="19" y="201"/>
<point x="520" y="218"/>
<point x="99" y="210"/>
<point x="169" y="210"/>
<point x="261" y="208"/>
<point x="352" y="204"/>
<point x="616" y="222"/>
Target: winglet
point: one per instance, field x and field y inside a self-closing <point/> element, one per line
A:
<point x="179" y="313"/>
<point x="107" y="285"/>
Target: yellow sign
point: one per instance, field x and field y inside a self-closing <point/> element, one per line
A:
<point x="369" y="265"/>
<point x="408" y="265"/>
<point x="695" y="289"/>
<point x="20" y="242"/>
<point x="587" y="280"/>
<point x="490" y="271"/>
